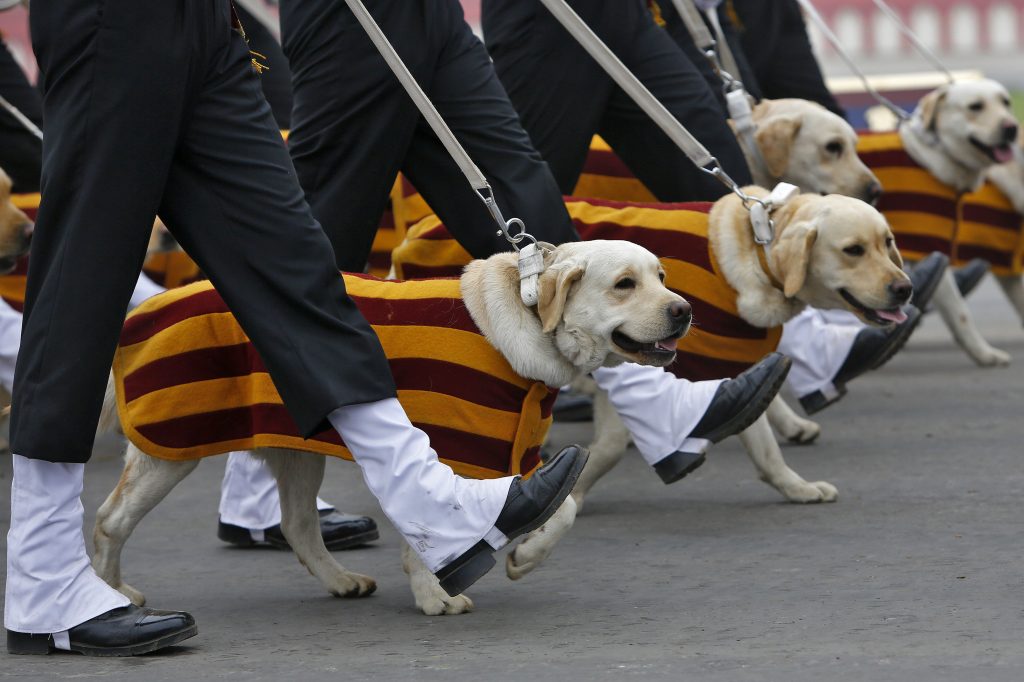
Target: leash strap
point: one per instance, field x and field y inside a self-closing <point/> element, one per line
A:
<point x="21" y="118"/>
<point x="736" y="98"/>
<point x="912" y="37"/>
<point x="469" y="169"/>
<point x="819" y="21"/>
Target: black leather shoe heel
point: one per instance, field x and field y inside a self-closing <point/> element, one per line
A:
<point x="677" y="465"/>
<point x="23" y="643"/>
<point x="456" y="577"/>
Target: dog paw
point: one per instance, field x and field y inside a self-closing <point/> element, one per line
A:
<point x="536" y="547"/>
<point x="136" y="597"/>
<point x="350" y="585"/>
<point x="804" y="433"/>
<point x="992" y="357"/>
<point x="440" y="604"/>
<point x="810" y="493"/>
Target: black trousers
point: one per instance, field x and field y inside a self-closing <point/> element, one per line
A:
<point x="354" y="127"/>
<point x="20" y="151"/>
<point x="774" y="38"/>
<point x="154" y="107"/>
<point x="677" y="29"/>
<point x="563" y="97"/>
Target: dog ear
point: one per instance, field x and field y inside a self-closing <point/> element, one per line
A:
<point x="775" y="139"/>
<point x="894" y="254"/>
<point x="552" y="291"/>
<point x="791" y="254"/>
<point x="928" y="107"/>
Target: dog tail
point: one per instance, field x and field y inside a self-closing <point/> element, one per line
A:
<point x="109" y="419"/>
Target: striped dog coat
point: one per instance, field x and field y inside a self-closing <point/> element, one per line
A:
<point x="927" y="215"/>
<point x="190" y="384"/>
<point x="720" y="344"/>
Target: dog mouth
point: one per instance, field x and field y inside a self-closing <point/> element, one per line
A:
<point x="8" y="263"/>
<point x="1000" y="153"/>
<point x="659" y="352"/>
<point x="880" y="316"/>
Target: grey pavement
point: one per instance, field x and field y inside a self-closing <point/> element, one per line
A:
<point x="914" y="574"/>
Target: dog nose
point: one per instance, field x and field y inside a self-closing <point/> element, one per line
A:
<point x="873" y="193"/>
<point x="1009" y="132"/>
<point x="901" y="289"/>
<point x="680" y="311"/>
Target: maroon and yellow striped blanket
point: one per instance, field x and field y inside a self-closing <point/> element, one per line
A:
<point x="927" y="215"/>
<point x="190" y="384"/>
<point x="721" y="343"/>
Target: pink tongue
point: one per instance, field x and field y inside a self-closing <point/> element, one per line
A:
<point x="1003" y="154"/>
<point x="897" y="316"/>
<point x="667" y="344"/>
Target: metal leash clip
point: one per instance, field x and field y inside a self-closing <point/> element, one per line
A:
<point x="531" y="256"/>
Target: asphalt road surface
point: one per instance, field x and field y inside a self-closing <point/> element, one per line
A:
<point x="914" y="574"/>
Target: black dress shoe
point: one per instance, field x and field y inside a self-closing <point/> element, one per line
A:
<point x="926" y="277"/>
<point x="571" y="406"/>
<point x="739" y="402"/>
<point x="529" y="504"/>
<point x="871" y="349"/>
<point x="125" y="631"/>
<point x="340" y="531"/>
<point x="969" y="276"/>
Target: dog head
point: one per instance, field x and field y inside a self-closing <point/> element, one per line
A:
<point x="807" y="145"/>
<point x="972" y="121"/>
<point x="608" y="298"/>
<point x="837" y="252"/>
<point x="15" y="228"/>
<point x="600" y="303"/>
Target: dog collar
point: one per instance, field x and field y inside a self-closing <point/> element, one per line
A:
<point x="761" y="212"/>
<point x="762" y="257"/>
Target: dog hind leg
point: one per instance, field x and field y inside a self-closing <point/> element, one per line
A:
<point x="790" y="425"/>
<point x="144" y="482"/>
<point x="766" y="455"/>
<point x="953" y="308"/>
<point x="430" y="598"/>
<point x="299" y="475"/>
<point x="1013" y="287"/>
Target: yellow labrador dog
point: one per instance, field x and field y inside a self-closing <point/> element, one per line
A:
<point x="1009" y="178"/>
<point x="15" y="228"/>
<point x="828" y="252"/>
<point x="957" y="133"/>
<point x="585" y="310"/>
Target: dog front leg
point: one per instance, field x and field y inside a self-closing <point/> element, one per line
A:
<point x="1013" y="287"/>
<point x="953" y="308"/>
<point x="299" y="475"/>
<point x="790" y="425"/>
<point x="611" y="438"/>
<point x="764" y="452"/>
<point x="532" y="551"/>
<point x="431" y="599"/>
<point x="144" y="482"/>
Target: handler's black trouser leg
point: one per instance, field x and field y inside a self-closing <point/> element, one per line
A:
<point x="563" y="97"/>
<point x="154" y="107"/>
<point x="354" y="127"/>
<point x="20" y="151"/>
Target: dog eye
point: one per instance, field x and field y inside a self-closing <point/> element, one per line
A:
<point x="835" y="148"/>
<point x="888" y="242"/>
<point x="976" y="106"/>
<point x="625" y="283"/>
<point x="855" y="250"/>
<point x="661" y="276"/>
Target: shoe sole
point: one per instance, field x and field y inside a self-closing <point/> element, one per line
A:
<point x="756" y="407"/>
<point x="36" y="645"/>
<point x="459" y="575"/>
<point x="683" y="464"/>
<point x="246" y="542"/>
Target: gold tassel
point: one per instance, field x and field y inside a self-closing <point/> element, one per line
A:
<point x="256" y="64"/>
<point x="656" y="13"/>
